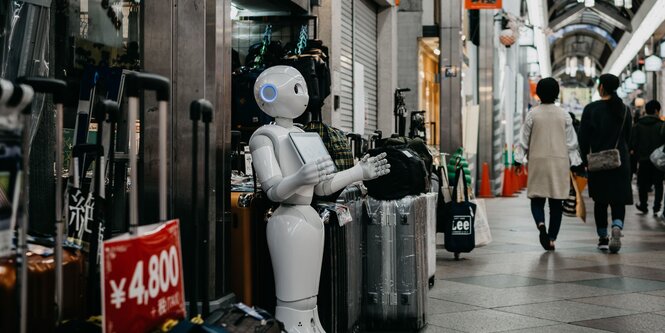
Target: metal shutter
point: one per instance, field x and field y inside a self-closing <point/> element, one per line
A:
<point x="359" y="35"/>
<point x="346" y="71"/>
<point x="365" y="52"/>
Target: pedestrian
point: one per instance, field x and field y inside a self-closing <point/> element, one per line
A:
<point x="605" y="126"/>
<point x="645" y="138"/>
<point x="549" y="144"/>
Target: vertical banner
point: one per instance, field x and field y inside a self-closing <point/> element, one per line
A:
<point x="483" y="4"/>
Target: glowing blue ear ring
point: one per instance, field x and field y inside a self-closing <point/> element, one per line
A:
<point x="268" y="92"/>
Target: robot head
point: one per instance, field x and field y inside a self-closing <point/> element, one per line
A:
<point x="281" y="91"/>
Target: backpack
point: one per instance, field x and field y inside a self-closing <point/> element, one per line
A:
<point x="408" y="175"/>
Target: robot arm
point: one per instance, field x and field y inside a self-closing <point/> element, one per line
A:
<point x="368" y="168"/>
<point x="269" y="174"/>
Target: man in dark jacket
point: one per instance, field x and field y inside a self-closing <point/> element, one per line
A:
<point x="646" y="137"/>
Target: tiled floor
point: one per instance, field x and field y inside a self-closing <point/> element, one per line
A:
<point x="512" y="285"/>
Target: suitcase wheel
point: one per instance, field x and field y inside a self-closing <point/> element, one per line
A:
<point x="431" y="282"/>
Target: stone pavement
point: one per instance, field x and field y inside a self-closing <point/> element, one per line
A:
<point x="513" y="285"/>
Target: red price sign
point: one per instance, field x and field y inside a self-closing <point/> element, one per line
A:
<point x="142" y="280"/>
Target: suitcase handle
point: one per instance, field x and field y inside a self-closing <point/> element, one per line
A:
<point x="200" y="109"/>
<point x="135" y="83"/>
<point x="58" y="89"/>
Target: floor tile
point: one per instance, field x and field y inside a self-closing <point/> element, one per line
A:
<point x="562" y="328"/>
<point x="566" y="311"/>
<point x="564" y="275"/>
<point x="569" y="290"/>
<point x="501" y="281"/>
<point x="436" y="329"/>
<point x="635" y="301"/>
<point x="640" y="323"/>
<point x="491" y="298"/>
<point x="624" y="270"/>
<point x="437" y="306"/>
<point x="625" y="283"/>
<point x="487" y="321"/>
<point x="656" y="293"/>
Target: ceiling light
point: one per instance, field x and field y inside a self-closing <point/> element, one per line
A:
<point x="653" y="19"/>
<point x="618" y="3"/>
<point x="589" y="3"/>
<point x="621" y="93"/>
<point x="662" y="49"/>
<point x="630" y="85"/>
<point x="580" y="1"/>
<point x="626" y="88"/>
<point x="639" y="77"/>
<point x="653" y="63"/>
<point x="628" y="4"/>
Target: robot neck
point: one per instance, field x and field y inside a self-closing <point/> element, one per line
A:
<point x="284" y="122"/>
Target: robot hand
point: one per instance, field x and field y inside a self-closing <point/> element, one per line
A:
<point x="374" y="167"/>
<point x="316" y="172"/>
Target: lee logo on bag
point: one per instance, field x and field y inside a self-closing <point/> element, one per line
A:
<point x="461" y="225"/>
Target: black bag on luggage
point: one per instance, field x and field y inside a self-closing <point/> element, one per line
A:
<point x="459" y="220"/>
<point x="417" y="145"/>
<point x="408" y="175"/>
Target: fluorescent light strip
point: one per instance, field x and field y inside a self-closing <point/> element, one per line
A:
<point x="647" y="27"/>
<point x="538" y="17"/>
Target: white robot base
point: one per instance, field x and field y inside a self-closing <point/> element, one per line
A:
<point x="297" y="321"/>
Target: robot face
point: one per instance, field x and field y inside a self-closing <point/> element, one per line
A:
<point x="281" y="91"/>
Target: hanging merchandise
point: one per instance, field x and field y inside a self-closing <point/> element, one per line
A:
<point x="310" y="58"/>
<point x="246" y="116"/>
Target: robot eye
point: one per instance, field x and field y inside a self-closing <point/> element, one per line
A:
<point x="297" y="88"/>
<point x="268" y="93"/>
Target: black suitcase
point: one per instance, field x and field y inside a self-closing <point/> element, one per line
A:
<point x="340" y="287"/>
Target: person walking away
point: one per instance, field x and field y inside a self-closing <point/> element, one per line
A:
<point x="645" y="138"/>
<point x="549" y="145"/>
<point x="606" y="125"/>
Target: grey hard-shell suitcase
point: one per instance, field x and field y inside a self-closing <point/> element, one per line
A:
<point x="396" y="279"/>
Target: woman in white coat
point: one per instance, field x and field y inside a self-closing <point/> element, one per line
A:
<point x="549" y="145"/>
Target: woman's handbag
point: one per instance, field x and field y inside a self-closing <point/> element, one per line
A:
<point x="609" y="159"/>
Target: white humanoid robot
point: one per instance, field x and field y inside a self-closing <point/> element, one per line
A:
<point x="295" y="230"/>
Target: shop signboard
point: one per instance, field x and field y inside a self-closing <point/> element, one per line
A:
<point x="482" y="4"/>
<point x="142" y="279"/>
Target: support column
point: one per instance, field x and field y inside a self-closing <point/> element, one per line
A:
<point x="486" y="90"/>
<point x="387" y="66"/>
<point x="190" y="44"/>
<point x="450" y="62"/>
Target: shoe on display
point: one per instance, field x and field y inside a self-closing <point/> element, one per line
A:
<point x="615" y="240"/>
<point x="603" y="243"/>
<point x="642" y="209"/>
